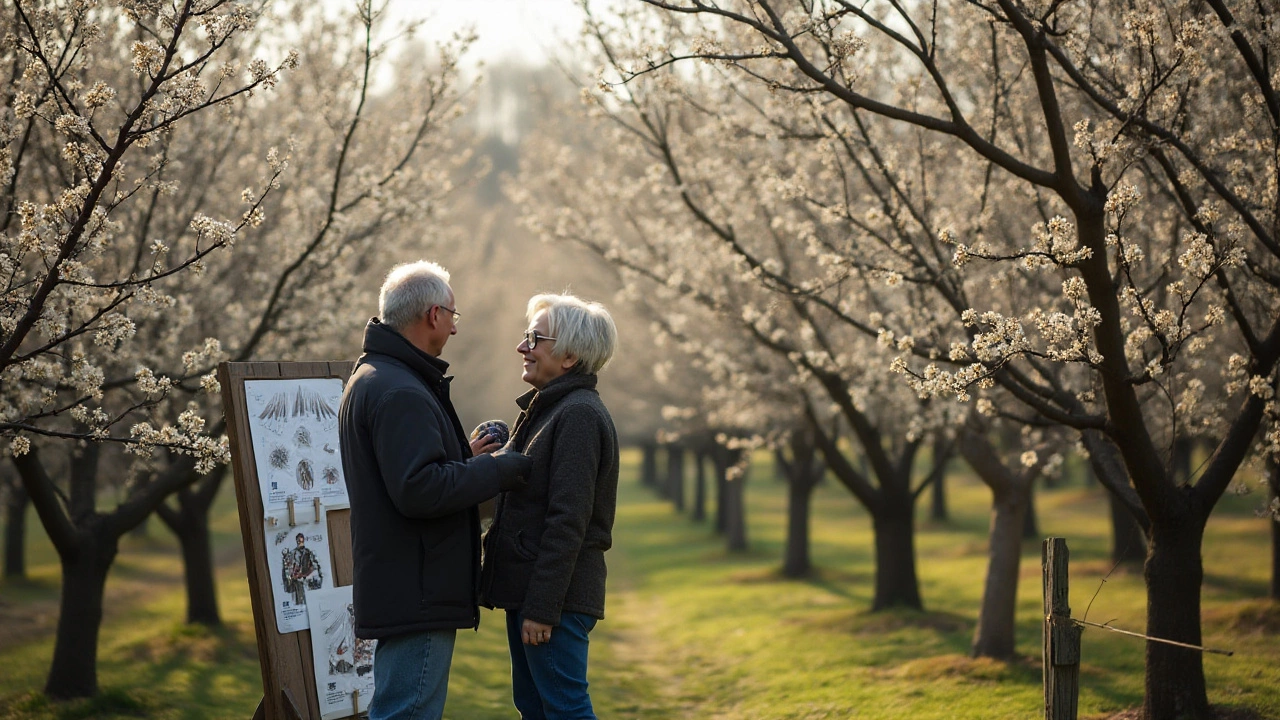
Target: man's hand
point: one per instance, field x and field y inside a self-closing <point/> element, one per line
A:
<point x="535" y="633"/>
<point x="489" y="436"/>
<point x="514" y="468"/>
<point x="484" y="443"/>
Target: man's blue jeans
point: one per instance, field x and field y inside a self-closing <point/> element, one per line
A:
<point x="549" y="681"/>
<point x="411" y="676"/>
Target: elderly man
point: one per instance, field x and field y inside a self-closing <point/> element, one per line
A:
<point x="414" y="481"/>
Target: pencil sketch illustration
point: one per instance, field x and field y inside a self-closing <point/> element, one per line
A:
<point x="343" y="663"/>
<point x="306" y="479"/>
<point x="298" y="560"/>
<point x="310" y="402"/>
<point x="301" y="570"/>
<point x="279" y="457"/>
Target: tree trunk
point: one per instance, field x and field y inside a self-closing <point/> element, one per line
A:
<point x="1175" y="685"/>
<point x="1011" y="493"/>
<point x="1106" y="468"/>
<point x="1273" y="481"/>
<point x="74" y="672"/>
<point x="15" y="532"/>
<point x="720" y="456"/>
<point x="649" y="465"/>
<point x="994" y="636"/>
<point x="675" y="476"/>
<point x="87" y="542"/>
<point x="699" y="485"/>
<point x="1030" y="523"/>
<point x="897" y="584"/>
<point x="198" y="572"/>
<point x="796" y="563"/>
<point x="734" y="500"/>
<point x="802" y="474"/>
<point x="891" y="504"/>
<point x="1128" y="542"/>
<point x="938" y="499"/>
<point x="190" y="524"/>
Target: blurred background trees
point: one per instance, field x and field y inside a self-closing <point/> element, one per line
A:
<point x="873" y="239"/>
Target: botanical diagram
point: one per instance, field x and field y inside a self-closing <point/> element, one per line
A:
<point x="294" y="428"/>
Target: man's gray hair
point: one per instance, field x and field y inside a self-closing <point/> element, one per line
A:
<point x="581" y="328"/>
<point x="409" y="292"/>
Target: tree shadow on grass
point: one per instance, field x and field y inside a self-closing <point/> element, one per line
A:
<point x="1220" y="712"/>
<point x="28" y="611"/>
<point x="837" y="582"/>
<point x="110" y="703"/>
<point x="1245" y="587"/>
<point x="191" y="671"/>
<point x="1248" y="617"/>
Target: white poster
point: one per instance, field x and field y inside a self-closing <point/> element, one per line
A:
<point x="298" y="560"/>
<point x="344" y="663"/>
<point x="294" y="428"/>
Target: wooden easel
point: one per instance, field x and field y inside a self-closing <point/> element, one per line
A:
<point x="288" y="673"/>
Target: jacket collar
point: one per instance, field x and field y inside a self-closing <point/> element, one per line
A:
<point x="553" y="391"/>
<point x="380" y="339"/>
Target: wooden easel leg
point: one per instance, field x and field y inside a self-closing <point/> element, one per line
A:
<point x="261" y="712"/>
<point x="291" y="706"/>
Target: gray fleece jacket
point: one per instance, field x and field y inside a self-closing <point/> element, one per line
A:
<point x="544" y="553"/>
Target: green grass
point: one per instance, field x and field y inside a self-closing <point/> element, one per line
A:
<point x="695" y="632"/>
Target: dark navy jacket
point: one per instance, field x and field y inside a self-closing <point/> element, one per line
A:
<point x="414" y="488"/>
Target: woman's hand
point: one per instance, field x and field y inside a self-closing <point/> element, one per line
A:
<point x="535" y="633"/>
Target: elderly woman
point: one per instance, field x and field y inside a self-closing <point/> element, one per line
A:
<point x="544" y="554"/>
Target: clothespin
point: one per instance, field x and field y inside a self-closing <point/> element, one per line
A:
<point x="293" y="520"/>
<point x="355" y="703"/>
<point x="272" y="521"/>
<point x="316" y="504"/>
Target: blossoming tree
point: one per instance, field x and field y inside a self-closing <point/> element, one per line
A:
<point x="95" y="94"/>
<point x="744" y="205"/>
<point x="1139" y="305"/>
<point x="685" y="216"/>
<point x="123" y="291"/>
<point x="369" y="178"/>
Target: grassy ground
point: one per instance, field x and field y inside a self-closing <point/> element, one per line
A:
<point x="694" y="632"/>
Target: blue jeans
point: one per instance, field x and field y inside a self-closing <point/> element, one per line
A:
<point x="411" y="676"/>
<point x="549" y="681"/>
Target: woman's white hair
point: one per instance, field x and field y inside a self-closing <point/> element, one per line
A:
<point x="581" y="328"/>
<point x="409" y="292"/>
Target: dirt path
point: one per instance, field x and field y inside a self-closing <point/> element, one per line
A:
<point x="636" y="662"/>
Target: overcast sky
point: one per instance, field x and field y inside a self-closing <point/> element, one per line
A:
<point x="524" y="30"/>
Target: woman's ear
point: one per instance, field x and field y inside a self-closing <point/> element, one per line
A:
<point x="568" y="361"/>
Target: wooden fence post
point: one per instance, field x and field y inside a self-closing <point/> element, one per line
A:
<point x="1061" y="636"/>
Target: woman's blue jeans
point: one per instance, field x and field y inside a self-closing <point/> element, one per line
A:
<point x="411" y="676"/>
<point x="549" y="681"/>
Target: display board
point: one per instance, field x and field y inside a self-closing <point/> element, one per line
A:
<point x="282" y="426"/>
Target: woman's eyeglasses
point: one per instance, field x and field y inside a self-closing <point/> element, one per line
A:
<point x="531" y="338"/>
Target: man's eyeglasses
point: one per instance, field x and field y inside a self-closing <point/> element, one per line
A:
<point x="456" y="315"/>
<point x="531" y="338"/>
